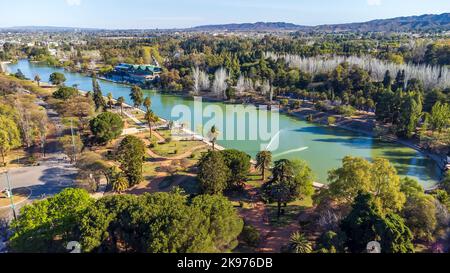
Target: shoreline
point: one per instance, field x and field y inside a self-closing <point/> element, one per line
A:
<point x="438" y="159"/>
<point x="435" y="157"/>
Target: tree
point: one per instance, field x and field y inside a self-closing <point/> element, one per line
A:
<point x="239" y="165"/>
<point x="410" y="113"/>
<point x="212" y="173"/>
<point x="386" y="186"/>
<point x="110" y="100"/>
<point x="445" y="183"/>
<point x="48" y="225"/>
<point x="346" y="182"/>
<point x="263" y="162"/>
<point x="365" y="224"/>
<point x="419" y="211"/>
<point x="147" y="103"/>
<point x="399" y="83"/>
<point x="97" y="96"/>
<point x="72" y="146"/>
<point x="290" y="180"/>
<point x="120" y="184"/>
<point x="137" y="96"/>
<point x="151" y="118"/>
<point x="120" y="102"/>
<point x="432" y="97"/>
<point x="298" y="243"/>
<point x="196" y="75"/>
<point x="9" y="136"/>
<point x="387" y="81"/>
<point x="331" y="242"/>
<point x="37" y="79"/>
<point x="106" y="127"/>
<point x="130" y="154"/>
<point x="220" y="83"/>
<point x="440" y="116"/>
<point x="358" y="174"/>
<point x="213" y="134"/>
<point x="161" y="223"/>
<point x="92" y="167"/>
<point x="57" y="78"/>
<point x="81" y="107"/>
<point x="222" y="220"/>
<point x="65" y="93"/>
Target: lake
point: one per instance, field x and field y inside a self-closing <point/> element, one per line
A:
<point x="320" y="146"/>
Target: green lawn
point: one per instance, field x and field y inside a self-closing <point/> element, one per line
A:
<point x="291" y="212"/>
<point x="175" y="148"/>
<point x="149" y="170"/>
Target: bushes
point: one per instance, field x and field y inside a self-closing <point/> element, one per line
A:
<point x="331" y="120"/>
<point x="345" y="110"/>
<point x="65" y="93"/>
<point x="250" y="236"/>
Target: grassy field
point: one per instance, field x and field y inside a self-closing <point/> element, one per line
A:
<point x="290" y="214"/>
<point x="175" y="148"/>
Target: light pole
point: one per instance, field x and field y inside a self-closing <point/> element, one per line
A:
<point x="73" y="141"/>
<point x="10" y="195"/>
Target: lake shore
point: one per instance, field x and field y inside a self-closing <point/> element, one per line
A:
<point x="287" y="118"/>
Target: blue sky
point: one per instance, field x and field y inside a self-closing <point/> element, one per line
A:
<point x="187" y="13"/>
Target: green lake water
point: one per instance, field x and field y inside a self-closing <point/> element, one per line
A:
<point x="321" y="146"/>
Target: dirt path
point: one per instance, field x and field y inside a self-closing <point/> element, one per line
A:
<point x="272" y="238"/>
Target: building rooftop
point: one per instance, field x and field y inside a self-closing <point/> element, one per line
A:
<point x="150" y="68"/>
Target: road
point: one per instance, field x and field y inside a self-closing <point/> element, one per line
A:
<point x="52" y="175"/>
<point x="49" y="178"/>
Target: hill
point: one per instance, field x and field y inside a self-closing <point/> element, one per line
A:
<point x="428" y="22"/>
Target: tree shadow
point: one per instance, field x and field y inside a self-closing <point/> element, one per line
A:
<point x="54" y="179"/>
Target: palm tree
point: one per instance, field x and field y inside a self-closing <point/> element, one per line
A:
<point x="150" y="117"/>
<point x="37" y="79"/>
<point x="213" y="135"/>
<point x="263" y="161"/>
<point x="299" y="243"/>
<point x="147" y="103"/>
<point x="110" y="100"/>
<point x="120" y="102"/>
<point x="120" y="184"/>
<point x="137" y="96"/>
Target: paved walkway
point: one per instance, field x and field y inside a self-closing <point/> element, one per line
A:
<point x="53" y="173"/>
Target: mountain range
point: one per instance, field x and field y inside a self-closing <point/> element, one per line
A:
<point x="427" y="22"/>
<point x="422" y="23"/>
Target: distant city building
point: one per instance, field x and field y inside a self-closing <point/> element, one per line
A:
<point x="137" y="74"/>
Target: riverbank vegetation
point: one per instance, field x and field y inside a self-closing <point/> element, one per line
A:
<point x="217" y="200"/>
<point x="397" y="79"/>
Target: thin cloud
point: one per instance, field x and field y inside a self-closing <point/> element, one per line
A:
<point x="73" y="2"/>
<point x="374" y="2"/>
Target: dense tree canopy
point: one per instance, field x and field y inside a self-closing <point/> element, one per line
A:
<point x="365" y="224"/>
<point x="65" y="93"/>
<point x="153" y="223"/>
<point x="106" y="127"/>
<point x="238" y="164"/>
<point x="358" y="174"/>
<point x="48" y="225"/>
<point x="160" y="223"/>
<point x="290" y="180"/>
<point x="131" y="154"/>
<point x="57" y="78"/>
<point x="213" y="173"/>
